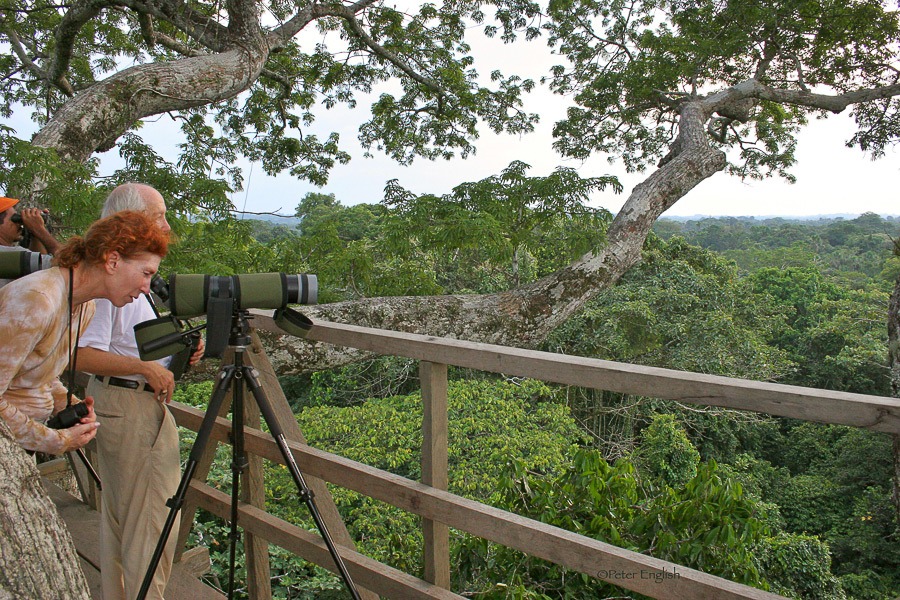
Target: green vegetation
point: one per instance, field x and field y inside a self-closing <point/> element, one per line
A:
<point x="798" y="508"/>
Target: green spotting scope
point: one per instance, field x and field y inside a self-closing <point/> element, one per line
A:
<point x="18" y="263"/>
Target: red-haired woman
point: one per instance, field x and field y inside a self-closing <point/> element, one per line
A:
<point x="42" y="315"/>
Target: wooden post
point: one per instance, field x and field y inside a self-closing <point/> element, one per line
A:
<point x="83" y="479"/>
<point x="253" y="492"/>
<point x="434" y="468"/>
<point x="288" y="421"/>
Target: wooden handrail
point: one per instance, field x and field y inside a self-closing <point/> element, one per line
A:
<point x="441" y="510"/>
<point x="877" y="413"/>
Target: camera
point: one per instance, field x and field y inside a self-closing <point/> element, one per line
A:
<point x="18" y="263"/>
<point x="68" y="416"/>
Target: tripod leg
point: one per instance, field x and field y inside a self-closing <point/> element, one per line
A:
<point x="306" y="495"/>
<point x="175" y="503"/>
<point x="238" y="464"/>
<point x="90" y="468"/>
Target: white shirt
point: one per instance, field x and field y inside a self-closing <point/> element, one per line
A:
<point x="112" y="329"/>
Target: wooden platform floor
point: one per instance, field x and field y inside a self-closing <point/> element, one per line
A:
<point x="84" y="525"/>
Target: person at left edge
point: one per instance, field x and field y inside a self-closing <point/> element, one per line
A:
<point x="42" y="315"/>
<point x="11" y="232"/>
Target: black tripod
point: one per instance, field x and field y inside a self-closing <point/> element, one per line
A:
<point x="239" y="340"/>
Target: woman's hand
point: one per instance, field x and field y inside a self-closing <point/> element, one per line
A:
<point x="91" y="417"/>
<point x="78" y="435"/>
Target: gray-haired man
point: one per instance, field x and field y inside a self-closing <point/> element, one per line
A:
<point x="138" y="456"/>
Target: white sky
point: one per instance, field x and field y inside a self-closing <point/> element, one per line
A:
<point x="831" y="178"/>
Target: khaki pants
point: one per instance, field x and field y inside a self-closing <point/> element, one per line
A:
<point x="139" y="465"/>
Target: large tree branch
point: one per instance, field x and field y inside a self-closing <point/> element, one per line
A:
<point x="525" y="316"/>
<point x="66" y="32"/>
<point x="833" y="103"/>
<point x="95" y="118"/>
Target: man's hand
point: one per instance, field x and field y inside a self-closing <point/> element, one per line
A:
<point x="160" y="379"/>
<point x="198" y="353"/>
<point x="33" y="220"/>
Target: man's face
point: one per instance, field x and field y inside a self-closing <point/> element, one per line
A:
<point x="10" y="232"/>
<point x="155" y="208"/>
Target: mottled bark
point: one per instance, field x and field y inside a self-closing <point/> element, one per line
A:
<point x="37" y="556"/>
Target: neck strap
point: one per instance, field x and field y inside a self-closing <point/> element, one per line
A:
<point x="73" y="350"/>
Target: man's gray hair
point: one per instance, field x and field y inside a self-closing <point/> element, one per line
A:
<point x="128" y="196"/>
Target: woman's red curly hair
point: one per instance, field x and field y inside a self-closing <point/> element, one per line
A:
<point x="127" y="232"/>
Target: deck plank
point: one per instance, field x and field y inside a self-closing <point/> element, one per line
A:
<point x="84" y="525"/>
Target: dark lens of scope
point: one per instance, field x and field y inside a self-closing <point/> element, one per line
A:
<point x="159" y="287"/>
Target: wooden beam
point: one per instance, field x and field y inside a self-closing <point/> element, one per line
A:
<point x="433" y="379"/>
<point x="878" y="413"/>
<point x="253" y="492"/>
<point x="377" y="576"/>
<point x="268" y="380"/>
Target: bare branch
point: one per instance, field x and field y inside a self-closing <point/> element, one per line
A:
<point x="75" y="18"/>
<point x="350" y="18"/>
<point x="197" y="26"/>
<point x="832" y="103"/>
<point x="152" y="38"/>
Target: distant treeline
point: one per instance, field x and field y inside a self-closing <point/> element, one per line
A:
<point x="852" y="249"/>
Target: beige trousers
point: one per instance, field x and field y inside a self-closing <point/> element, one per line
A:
<point x="139" y="465"/>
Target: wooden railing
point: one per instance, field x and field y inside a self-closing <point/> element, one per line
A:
<point x="441" y="510"/>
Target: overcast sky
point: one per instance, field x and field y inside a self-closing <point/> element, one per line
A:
<point x="831" y="178"/>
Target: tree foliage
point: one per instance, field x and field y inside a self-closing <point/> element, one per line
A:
<point x="503" y="216"/>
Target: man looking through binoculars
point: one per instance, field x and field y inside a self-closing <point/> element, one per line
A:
<point x="12" y="224"/>
<point x="138" y="456"/>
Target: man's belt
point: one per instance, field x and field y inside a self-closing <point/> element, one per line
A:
<point x="124" y="383"/>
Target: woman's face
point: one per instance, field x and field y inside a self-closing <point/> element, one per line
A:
<point x="130" y="277"/>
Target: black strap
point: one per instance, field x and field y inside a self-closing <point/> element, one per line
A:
<point x="73" y="352"/>
<point x="152" y="304"/>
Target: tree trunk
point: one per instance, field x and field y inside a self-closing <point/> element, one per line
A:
<point x="37" y="555"/>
